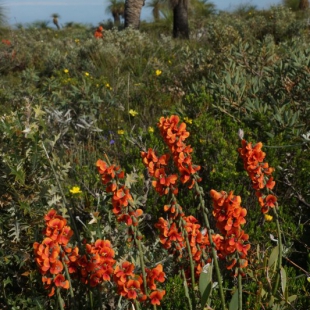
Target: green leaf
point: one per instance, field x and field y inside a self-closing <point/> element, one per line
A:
<point x="283" y="279"/>
<point x="205" y="283"/>
<point x="234" y="304"/>
<point x="273" y="256"/>
<point x="292" y="298"/>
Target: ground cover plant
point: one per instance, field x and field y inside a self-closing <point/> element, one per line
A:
<point x="142" y="172"/>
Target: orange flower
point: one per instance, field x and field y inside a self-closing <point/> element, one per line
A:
<point x="61" y="281"/>
<point x="156" y="297"/>
<point x="271" y="201"/>
<point x="99" y="32"/>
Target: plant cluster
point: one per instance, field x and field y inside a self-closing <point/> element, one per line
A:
<point x="149" y="217"/>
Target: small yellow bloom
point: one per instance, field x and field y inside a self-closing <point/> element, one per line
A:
<point x="169" y="62"/>
<point x="133" y="112"/>
<point x="66" y="71"/>
<point x="86" y="74"/>
<point x="77" y="40"/>
<point x="107" y="85"/>
<point x="151" y="129"/>
<point x="268" y="217"/>
<point x="188" y="120"/>
<point x="158" y="72"/>
<point x="121" y="131"/>
<point x="75" y="190"/>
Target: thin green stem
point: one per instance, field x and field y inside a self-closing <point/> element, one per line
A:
<point x="213" y="249"/>
<point x="63" y="197"/>
<point x="192" y="267"/>
<point x="138" y="242"/>
<point x="190" y="259"/>
<point x="239" y="290"/>
<point x="69" y="278"/>
<point x="186" y="291"/>
<point x="279" y="265"/>
<point x="60" y="301"/>
<point x="136" y="304"/>
<point x="91" y="299"/>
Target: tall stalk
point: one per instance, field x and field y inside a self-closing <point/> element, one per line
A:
<point x="213" y="250"/>
<point x="279" y="265"/>
<point x="239" y="290"/>
<point x="64" y="198"/>
<point x="137" y="241"/>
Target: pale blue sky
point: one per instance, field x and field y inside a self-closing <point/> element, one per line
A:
<point x="88" y="11"/>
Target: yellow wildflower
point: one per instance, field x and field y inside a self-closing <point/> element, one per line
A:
<point x="151" y="129"/>
<point x="86" y="74"/>
<point x="188" y="120"/>
<point x="66" y="71"/>
<point x="133" y="112"/>
<point x="268" y="217"/>
<point x="107" y="85"/>
<point x="77" y="40"/>
<point x="75" y="190"/>
<point x="158" y="72"/>
<point x="121" y="131"/>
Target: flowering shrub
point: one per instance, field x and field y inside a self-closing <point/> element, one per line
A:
<point x="193" y="247"/>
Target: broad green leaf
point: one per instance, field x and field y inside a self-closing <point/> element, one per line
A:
<point x="292" y="298"/>
<point x="186" y="289"/>
<point x="234" y="304"/>
<point x="283" y="279"/>
<point x="273" y="256"/>
<point x="205" y="283"/>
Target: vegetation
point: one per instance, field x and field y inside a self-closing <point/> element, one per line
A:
<point x="123" y="179"/>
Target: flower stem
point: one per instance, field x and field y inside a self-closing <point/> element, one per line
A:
<point x="186" y="291"/>
<point x="213" y="250"/>
<point x="63" y="197"/>
<point x="141" y="260"/>
<point x="279" y="265"/>
<point x="192" y="269"/>
<point x="60" y="301"/>
<point x="239" y="290"/>
<point x="69" y="278"/>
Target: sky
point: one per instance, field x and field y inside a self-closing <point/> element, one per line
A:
<point x="89" y="11"/>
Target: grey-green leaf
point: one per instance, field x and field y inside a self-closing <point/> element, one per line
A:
<point x="234" y="304"/>
<point x="205" y="283"/>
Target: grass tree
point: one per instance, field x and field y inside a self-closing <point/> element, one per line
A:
<point x="117" y="9"/>
<point x="55" y="20"/>
<point x="132" y="13"/>
<point x="157" y="6"/>
<point x="180" y="18"/>
<point x="303" y="5"/>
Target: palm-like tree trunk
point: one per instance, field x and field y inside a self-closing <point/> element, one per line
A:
<point x="180" y="19"/>
<point x="303" y="5"/>
<point x="132" y="13"/>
